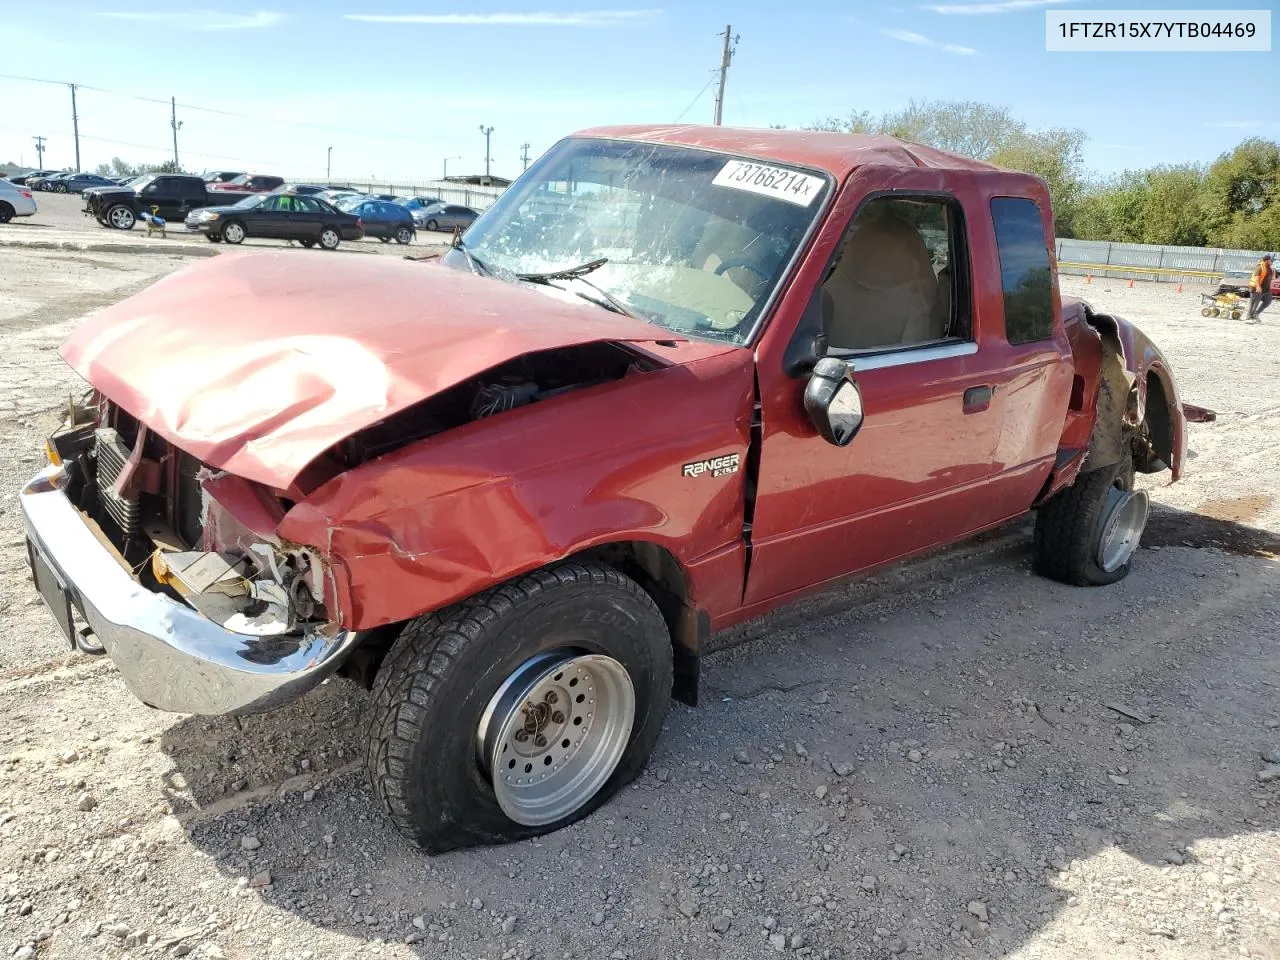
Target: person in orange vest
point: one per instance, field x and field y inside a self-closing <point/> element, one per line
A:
<point x="1260" y="288"/>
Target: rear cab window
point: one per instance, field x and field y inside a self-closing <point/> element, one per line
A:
<point x="1025" y="273"/>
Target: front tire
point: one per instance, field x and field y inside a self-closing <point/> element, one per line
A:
<point x="1086" y="535"/>
<point x="520" y="710"/>
<point x="432" y="225"/>
<point x="61" y="188"/>
<point x="121" y="217"/>
<point x="233" y="231"/>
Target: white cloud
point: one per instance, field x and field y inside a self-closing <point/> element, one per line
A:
<point x="906" y="36"/>
<point x="582" y="18"/>
<point x="199" y="19"/>
<point x="969" y="8"/>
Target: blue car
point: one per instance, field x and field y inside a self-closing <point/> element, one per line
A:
<point x="76" y="182"/>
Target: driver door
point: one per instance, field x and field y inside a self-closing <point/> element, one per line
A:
<point x="897" y="306"/>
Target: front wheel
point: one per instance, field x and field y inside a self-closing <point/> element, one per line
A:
<point x="519" y="710"/>
<point x="330" y="238"/>
<point x="432" y="225"/>
<point x="1087" y="534"/>
<point x="404" y="235"/>
<point x="121" y="217"/>
<point x="233" y="231"/>
<point x="61" y="188"/>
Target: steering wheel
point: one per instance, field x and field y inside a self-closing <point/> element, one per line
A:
<point x="745" y="264"/>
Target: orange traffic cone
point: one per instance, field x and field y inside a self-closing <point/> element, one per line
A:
<point x="1179" y="288"/>
<point x="1130" y="284"/>
<point x="1088" y="278"/>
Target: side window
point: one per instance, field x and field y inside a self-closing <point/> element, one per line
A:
<point x="899" y="278"/>
<point x="308" y="205"/>
<point x="273" y="203"/>
<point x="1024" y="269"/>
<point x="162" y="189"/>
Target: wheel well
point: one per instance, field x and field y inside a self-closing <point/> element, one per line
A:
<point x="658" y="571"/>
<point x="653" y="567"/>
<point x="1159" y="425"/>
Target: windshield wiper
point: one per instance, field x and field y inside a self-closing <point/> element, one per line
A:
<point x="477" y="265"/>
<point x="569" y="273"/>
<point x="579" y="273"/>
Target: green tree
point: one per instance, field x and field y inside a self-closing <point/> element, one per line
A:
<point x="961" y="126"/>
<point x="1241" y="195"/>
<point x="1057" y="156"/>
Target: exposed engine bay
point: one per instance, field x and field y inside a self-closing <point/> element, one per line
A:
<point x="532" y="378"/>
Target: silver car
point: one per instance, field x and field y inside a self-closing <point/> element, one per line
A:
<point x="15" y="201"/>
<point x="444" y="216"/>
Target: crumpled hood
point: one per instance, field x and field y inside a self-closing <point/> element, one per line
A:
<point x="257" y="363"/>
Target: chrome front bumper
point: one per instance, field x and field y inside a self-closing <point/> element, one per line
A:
<point x="170" y="656"/>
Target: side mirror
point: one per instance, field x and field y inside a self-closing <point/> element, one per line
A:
<point x="833" y="401"/>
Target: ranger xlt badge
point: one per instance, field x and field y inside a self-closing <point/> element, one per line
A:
<point x="716" y="466"/>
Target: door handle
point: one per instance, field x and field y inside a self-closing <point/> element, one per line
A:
<point x="977" y="399"/>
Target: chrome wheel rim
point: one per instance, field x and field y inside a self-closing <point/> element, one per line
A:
<point x="328" y="239"/>
<point x="554" y="733"/>
<point x="122" y="218"/>
<point x="1126" y="517"/>
<point x="233" y="233"/>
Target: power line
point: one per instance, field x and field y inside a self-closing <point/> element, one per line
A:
<point x="697" y="97"/>
<point x="217" y="110"/>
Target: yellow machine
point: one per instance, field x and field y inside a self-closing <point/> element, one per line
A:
<point x="1222" y="305"/>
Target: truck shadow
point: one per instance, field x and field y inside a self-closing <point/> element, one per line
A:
<point x="975" y="735"/>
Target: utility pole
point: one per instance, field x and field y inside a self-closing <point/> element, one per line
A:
<point x="175" y="123"/>
<point x="446" y="165"/>
<point x="725" y="59"/>
<point x="524" y="156"/>
<point x="328" y="165"/>
<point x="75" y="124"/>
<point x="39" y="152"/>
<point x="486" y="131"/>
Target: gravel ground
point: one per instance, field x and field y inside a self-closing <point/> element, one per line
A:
<point x="954" y="759"/>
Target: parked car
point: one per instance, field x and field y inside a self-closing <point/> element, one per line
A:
<point x="386" y="221"/>
<point x="247" y="183"/>
<point x="444" y="216"/>
<point x="516" y="488"/>
<point x="45" y="183"/>
<point x="15" y="201"/>
<point x="79" y="182"/>
<point x="1234" y="281"/>
<point x="336" y="194"/>
<point x="221" y="176"/>
<point x="170" y="196"/>
<point x="301" y="189"/>
<point x="277" y="216"/>
<point x="24" y="179"/>
<point x="414" y="204"/>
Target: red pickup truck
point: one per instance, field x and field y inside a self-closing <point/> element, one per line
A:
<point x="673" y="378"/>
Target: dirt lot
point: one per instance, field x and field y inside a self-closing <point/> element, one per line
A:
<point x="957" y="759"/>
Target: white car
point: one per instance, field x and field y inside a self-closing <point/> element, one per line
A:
<point x="15" y="201"/>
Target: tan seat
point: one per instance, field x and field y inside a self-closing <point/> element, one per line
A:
<point x="883" y="291"/>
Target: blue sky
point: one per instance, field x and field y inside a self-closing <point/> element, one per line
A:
<point x="396" y="86"/>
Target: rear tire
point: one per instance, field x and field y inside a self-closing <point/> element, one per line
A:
<point x="1072" y="525"/>
<point x="6" y="212"/>
<point x="404" y="235"/>
<point x="451" y="696"/>
<point x="330" y="238"/>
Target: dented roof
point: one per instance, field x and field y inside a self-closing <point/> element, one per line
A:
<point x="837" y="153"/>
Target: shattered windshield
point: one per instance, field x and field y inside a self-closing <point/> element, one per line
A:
<point x="693" y="241"/>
